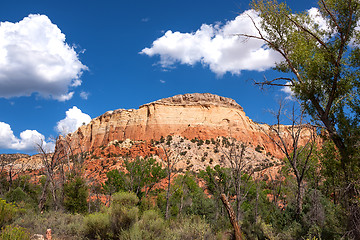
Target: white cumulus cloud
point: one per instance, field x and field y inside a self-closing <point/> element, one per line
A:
<point x="34" y="58"/>
<point x="287" y="90"/>
<point x="217" y="47"/>
<point x="28" y="141"/>
<point x="73" y="120"/>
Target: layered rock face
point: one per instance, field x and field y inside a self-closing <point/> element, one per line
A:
<point x="202" y="116"/>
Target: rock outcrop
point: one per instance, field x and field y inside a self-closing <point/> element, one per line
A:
<point x="202" y="116"/>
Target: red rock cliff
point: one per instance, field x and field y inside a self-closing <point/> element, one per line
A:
<point x="198" y="115"/>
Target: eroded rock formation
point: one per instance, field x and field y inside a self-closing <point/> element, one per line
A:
<point x="202" y="116"/>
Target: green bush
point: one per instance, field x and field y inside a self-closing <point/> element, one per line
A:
<point x="8" y="213"/>
<point x="188" y="228"/>
<point x="16" y="195"/>
<point x="97" y="226"/>
<point x="63" y="225"/>
<point x="125" y="199"/>
<point x="32" y="190"/>
<point x="123" y="211"/>
<point x="14" y="233"/>
<point x="151" y="226"/>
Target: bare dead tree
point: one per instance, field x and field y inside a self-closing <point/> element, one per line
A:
<point x="171" y="155"/>
<point x="55" y="170"/>
<point x="230" y="180"/>
<point x="276" y="187"/>
<point x="288" y="139"/>
<point x="11" y="169"/>
<point x="171" y="158"/>
<point x="49" y="162"/>
<point x="234" y="222"/>
<point x="234" y="153"/>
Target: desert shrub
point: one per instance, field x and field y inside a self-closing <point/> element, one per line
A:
<point x="168" y="140"/>
<point x="259" y="148"/>
<point x="97" y="226"/>
<point x="145" y="205"/>
<point x="188" y="228"/>
<point x="8" y="213"/>
<point x="14" y="233"/>
<point x="95" y="205"/>
<point x="63" y="225"/>
<point x="123" y="211"/>
<point x="183" y="153"/>
<point x="150" y="226"/>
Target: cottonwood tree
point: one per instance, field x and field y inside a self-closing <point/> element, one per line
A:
<point x="321" y="65"/>
<point x="324" y="62"/>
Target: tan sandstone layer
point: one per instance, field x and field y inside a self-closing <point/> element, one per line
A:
<point x="202" y="116"/>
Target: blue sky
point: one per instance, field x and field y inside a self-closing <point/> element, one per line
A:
<point x="105" y="55"/>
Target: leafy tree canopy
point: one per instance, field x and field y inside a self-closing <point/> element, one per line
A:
<point x="320" y="48"/>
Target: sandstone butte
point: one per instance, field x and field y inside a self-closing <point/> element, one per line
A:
<point x="198" y="115"/>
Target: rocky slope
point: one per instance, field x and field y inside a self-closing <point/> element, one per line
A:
<point x="203" y="116"/>
<point x="20" y="162"/>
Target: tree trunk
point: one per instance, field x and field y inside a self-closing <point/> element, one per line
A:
<point x="43" y="195"/>
<point x="232" y="216"/>
<point x="168" y="197"/>
<point x="10" y="178"/>
<point x="299" y="198"/>
<point x="257" y="201"/>
<point x="181" y="204"/>
<point x="238" y="206"/>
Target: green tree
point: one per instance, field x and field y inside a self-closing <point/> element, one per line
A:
<point x="75" y="195"/>
<point x="227" y="183"/>
<point x="143" y="174"/>
<point x="116" y="181"/>
<point x="140" y="177"/>
<point x="321" y="65"/>
<point x="189" y="198"/>
<point x="330" y="165"/>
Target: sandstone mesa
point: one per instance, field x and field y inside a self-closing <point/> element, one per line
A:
<point x="198" y="115"/>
